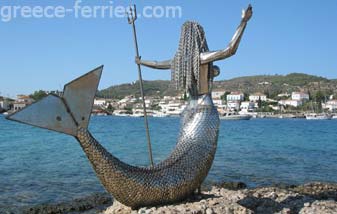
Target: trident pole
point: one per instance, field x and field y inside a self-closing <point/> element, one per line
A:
<point x="132" y="17"/>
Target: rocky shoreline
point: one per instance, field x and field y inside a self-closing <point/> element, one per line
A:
<point x="95" y="203"/>
<point x="231" y="198"/>
<point x="304" y="199"/>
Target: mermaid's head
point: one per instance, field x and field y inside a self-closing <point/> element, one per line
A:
<point x="186" y="63"/>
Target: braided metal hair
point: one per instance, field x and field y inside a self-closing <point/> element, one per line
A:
<point x="186" y="63"/>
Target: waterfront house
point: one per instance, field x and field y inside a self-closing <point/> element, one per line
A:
<point x="4" y="104"/>
<point x="99" y="102"/>
<point x="173" y="107"/>
<point x="331" y="105"/>
<point x="248" y="106"/>
<point x="233" y="105"/>
<point x="218" y="93"/>
<point x="21" y="102"/>
<point x="218" y="102"/>
<point x="299" y="96"/>
<point x="24" y="99"/>
<point x="235" y="96"/>
<point x="19" y="105"/>
<point x="257" y="97"/>
<point x="294" y="103"/>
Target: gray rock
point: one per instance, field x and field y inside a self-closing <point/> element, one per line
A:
<point x="209" y="211"/>
<point x="303" y="199"/>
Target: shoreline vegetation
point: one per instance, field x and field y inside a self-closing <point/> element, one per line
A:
<point x="227" y="197"/>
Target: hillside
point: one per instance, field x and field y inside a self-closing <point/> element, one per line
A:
<point x="151" y="88"/>
<point x="268" y="84"/>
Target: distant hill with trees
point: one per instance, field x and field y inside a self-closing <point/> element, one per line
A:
<point x="270" y="85"/>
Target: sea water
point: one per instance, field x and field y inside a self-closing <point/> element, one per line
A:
<point x="39" y="166"/>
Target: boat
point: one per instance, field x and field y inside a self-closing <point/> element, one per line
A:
<point x="235" y="116"/>
<point x="160" y="115"/>
<point x="100" y="114"/>
<point x="334" y="117"/>
<point x="5" y="113"/>
<point x="316" y="116"/>
<point x="137" y="114"/>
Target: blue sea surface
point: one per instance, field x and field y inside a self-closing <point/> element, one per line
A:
<point x="39" y="166"/>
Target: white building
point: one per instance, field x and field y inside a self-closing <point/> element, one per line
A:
<point x="331" y="105"/>
<point x="19" y="105"/>
<point x="4" y="104"/>
<point x="233" y="105"/>
<point x="283" y="95"/>
<point x="218" y="102"/>
<point x="24" y="99"/>
<point x="294" y="103"/>
<point x="99" y="102"/>
<point x="172" y="108"/>
<point x="248" y="106"/>
<point x="21" y="102"/>
<point x="299" y="96"/>
<point x="257" y="97"/>
<point x="235" y="96"/>
<point x="217" y="94"/>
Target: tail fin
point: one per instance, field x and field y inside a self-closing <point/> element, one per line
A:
<point x="64" y="114"/>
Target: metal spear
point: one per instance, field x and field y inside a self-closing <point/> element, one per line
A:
<point x="132" y="17"/>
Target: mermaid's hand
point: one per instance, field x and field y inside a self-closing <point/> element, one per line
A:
<point x="247" y="14"/>
<point x="138" y="60"/>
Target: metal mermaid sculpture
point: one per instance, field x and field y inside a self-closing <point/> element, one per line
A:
<point x="187" y="166"/>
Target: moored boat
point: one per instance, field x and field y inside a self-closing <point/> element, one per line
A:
<point x="235" y="116"/>
<point x="315" y="116"/>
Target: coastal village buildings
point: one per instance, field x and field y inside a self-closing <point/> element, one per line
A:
<point x="99" y="102"/>
<point x="331" y="105"/>
<point x="4" y="104"/>
<point x="297" y="99"/>
<point x="235" y="96"/>
<point x="21" y="102"/>
<point x="248" y="106"/>
<point x="218" y="102"/>
<point x="233" y="100"/>
<point x="233" y="105"/>
<point x="257" y="97"/>
<point x="217" y="94"/>
<point x="174" y="105"/>
<point x="294" y="103"/>
<point x="299" y="96"/>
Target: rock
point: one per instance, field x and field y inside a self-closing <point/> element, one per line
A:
<point x="286" y="211"/>
<point x="92" y="204"/>
<point x="232" y="185"/>
<point x="209" y="211"/>
<point x="326" y="207"/>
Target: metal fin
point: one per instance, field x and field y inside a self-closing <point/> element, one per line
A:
<point x="49" y="113"/>
<point x="79" y="95"/>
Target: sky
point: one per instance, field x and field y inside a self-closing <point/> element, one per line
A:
<point x="45" y="53"/>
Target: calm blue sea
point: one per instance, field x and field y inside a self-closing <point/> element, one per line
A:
<point x="40" y="166"/>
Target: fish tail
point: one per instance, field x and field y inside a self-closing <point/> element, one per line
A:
<point x="64" y="113"/>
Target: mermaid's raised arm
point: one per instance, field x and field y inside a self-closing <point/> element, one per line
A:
<point x="212" y="56"/>
<point x="155" y="64"/>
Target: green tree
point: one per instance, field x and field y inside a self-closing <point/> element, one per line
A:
<point x="319" y="96"/>
<point x="111" y="108"/>
<point x="38" y="95"/>
<point x="224" y="97"/>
